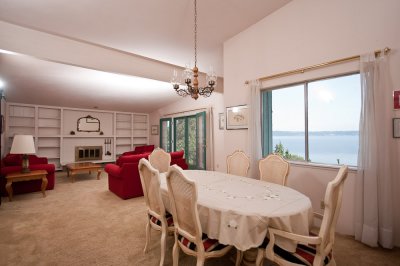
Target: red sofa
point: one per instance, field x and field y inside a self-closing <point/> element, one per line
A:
<point x="140" y="150"/>
<point x="124" y="178"/>
<point x="12" y="163"/>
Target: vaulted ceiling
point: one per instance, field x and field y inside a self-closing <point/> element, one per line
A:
<point x="157" y="29"/>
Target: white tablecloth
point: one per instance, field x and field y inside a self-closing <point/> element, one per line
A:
<point x="238" y="210"/>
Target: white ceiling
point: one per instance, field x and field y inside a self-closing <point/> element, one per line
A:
<point x="157" y="29"/>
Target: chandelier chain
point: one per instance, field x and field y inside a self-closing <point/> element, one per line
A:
<point x="195" y="32"/>
<point x="191" y="75"/>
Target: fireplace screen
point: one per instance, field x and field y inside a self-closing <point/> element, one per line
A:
<point x="86" y="153"/>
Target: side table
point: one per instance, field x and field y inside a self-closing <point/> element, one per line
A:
<point x="33" y="175"/>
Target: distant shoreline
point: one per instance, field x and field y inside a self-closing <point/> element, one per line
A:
<point x="315" y="133"/>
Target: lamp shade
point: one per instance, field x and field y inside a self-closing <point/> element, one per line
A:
<point x="23" y="144"/>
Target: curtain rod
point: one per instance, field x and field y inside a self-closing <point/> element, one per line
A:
<point x="334" y="62"/>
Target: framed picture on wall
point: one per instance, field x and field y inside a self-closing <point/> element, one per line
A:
<point x="396" y="99"/>
<point x="221" y="120"/>
<point x="396" y="127"/>
<point x="154" y="130"/>
<point x="237" y="117"/>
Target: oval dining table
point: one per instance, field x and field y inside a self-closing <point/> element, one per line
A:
<point x="238" y="210"/>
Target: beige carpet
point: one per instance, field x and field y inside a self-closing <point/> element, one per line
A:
<point x="83" y="223"/>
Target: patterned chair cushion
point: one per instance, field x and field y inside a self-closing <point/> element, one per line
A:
<point x="208" y="243"/>
<point x="168" y="217"/>
<point x="304" y="254"/>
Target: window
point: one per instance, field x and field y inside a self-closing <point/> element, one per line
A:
<point x="187" y="133"/>
<point x="315" y="121"/>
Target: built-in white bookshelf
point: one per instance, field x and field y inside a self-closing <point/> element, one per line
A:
<point x="48" y="134"/>
<point x="21" y="120"/>
<point x="123" y="132"/>
<point x="51" y="127"/>
<point x="140" y="129"/>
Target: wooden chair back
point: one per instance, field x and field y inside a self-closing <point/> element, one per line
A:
<point x="160" y="160"/>
<point x="274" y="169"/>
<point x="238" y="163"/>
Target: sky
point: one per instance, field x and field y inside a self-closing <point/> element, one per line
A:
<point x="333" y="105"/>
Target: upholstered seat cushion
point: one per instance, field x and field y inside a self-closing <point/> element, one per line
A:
<point x="168" y="217"/>
<point x="208" y="243"/>
<point x="304" y="254"/>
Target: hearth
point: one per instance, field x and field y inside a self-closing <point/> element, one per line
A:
<point x="88" y="153"/>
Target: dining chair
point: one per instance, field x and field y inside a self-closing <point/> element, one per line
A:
<point x="238" y="163"/>
<point x="160" y="160"/>
<point x="189" y="236"/>
<point x="158" y="218"/>
<point x="314" y="249"/>
<point x="274" y="169"/>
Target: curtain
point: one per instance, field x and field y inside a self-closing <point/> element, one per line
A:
<point x="254" y="133"/>
<point x="374" y="202"/>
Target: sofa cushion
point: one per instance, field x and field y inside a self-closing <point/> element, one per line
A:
<point x="12" y="159"/>
<point x="144" y="149"/>
<point x="140" y="150"/>
<point x="131" y="158"/>
<point x="129" y="153"/>
<point x="16" y="160"/>
<point x="177" y="154"/>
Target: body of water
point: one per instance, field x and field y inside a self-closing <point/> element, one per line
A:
<point x="323" y="147"/>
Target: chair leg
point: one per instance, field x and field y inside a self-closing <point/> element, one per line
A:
<point x="239" y="257"/>
<point x="200" y="260"/>
<point x="148" y="236"/>
<point x="260" y="257"/>
<point x="175" y="253"/>
<point x="163" y="240"/>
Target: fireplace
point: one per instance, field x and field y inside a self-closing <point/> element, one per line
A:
<point x="88" y="153"/>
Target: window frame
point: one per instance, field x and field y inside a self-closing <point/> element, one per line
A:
<point x="267" y="129"/>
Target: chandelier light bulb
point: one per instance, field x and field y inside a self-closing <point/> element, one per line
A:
<point x="211" y="78"/>
<point x="175" y="79"/>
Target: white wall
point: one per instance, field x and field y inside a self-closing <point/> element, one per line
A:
<point x="215" y="142"/>
<point x="305" y="33"/>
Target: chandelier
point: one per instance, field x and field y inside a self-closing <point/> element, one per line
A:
<point x="192" y="88"/>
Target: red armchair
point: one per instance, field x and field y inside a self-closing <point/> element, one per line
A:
<point x="124" y="178"/>
<point x="12" y="163"/>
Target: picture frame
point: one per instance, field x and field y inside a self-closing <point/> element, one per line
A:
<point x="154" y="130"/>
<point x="221" y="121"/>
<point x="396" y="127"/>
<point x="396" y="99"/>
<point x="237" y="117"/>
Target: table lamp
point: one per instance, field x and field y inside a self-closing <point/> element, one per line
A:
<point x="23" y="144"/>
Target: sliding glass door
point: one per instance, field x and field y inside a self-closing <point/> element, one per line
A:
<point x="201" y="140"/>
<point x="165" y="134"/>
<point x="189" y="134"/>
